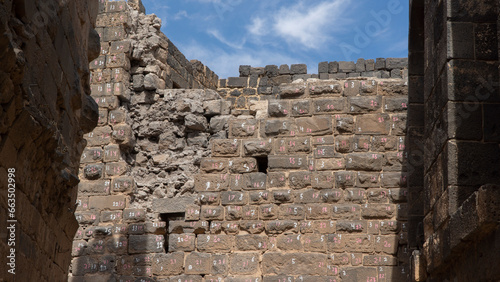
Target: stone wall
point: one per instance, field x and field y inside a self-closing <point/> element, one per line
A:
<point x="282" y="182"/>
<point x="45" y="109"/>
<point x="311" y="189"/>
<point x="262" y="83"/>
<point x="160" y="198"/>
<point x="455" y="135"/>
<point x="272" y="75"/>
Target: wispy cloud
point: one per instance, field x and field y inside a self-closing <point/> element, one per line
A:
<point x="257" y="27"/>
<point x="180" y="15"/>
<point x="215" y="33"/>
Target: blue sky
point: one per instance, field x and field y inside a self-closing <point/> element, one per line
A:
<point x="224" y="34"/>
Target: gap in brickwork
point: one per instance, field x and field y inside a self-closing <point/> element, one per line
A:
<point x="262" y="164"/>
<point x="167" y="218"/>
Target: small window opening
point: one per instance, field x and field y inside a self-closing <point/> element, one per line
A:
<point x="262" y="164"/>
<point x="168" y="217"/>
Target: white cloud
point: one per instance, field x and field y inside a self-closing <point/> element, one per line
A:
<point x="310" y="24"/>
<point x="257" y="27"/>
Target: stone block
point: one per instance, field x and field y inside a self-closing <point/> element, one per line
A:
<point x="355" y="274"/>
<point x="225" y="148"/>
<point x="172" y="205"/>
<point x="279" y="108"/>
<point x="298" y="69"/>
<point x="237" y="82"/>
<point x="244" y="263"/>
<point x="396" y="63"/>
<point x="197" y="263"/>
<point x="287" y="162"/>
<point x="317" y="125"/>
<point x="215" y="243"/>
<point x="168" y="264"/>
<point x="294" y="264"/>
<point x="334" y="105"/>
<point x="373" y="124"/>
<point x="292" y="90"/>
<point x="346" y="66"/>
<point x="365" y="161"/>
<point x="181" y="243"/>
<point x="243" y="128"/>
<point x="118" y="61"/>
<point x="261" y="147"/>
<point x="146" y="244"/>
<point x="212" y="213"/>
<point x="117" y="202"/>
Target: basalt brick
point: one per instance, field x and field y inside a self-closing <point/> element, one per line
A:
<point x="325" y="88"/>
<point x="262" y="147"/>
<point x="292" y="211"/>
<point x="211" y="182"/>
<point x="146" y="244"/>
<point x="365" y="104"/>
<point x="215" y="243"/>
<point x="280" y="127"/>
<point x="244" y="263"/>
<point x="212" y="213"/>
<point x="168" y="264"/>
<point x="251" y="242"/>
<point x="198" y="263"/>
<point x="253" y="226"/>
<point x="233" y="213"/>
<point x="333" y="105"/>
<point x="234" y="198"/>
<point x="289" y="242"/>
<point x="365" y="161"/>
<point x="282" y="196"/>
<point x="373" y="124"/>
<point x="276" y="179"/>
<point x="279" y="108"/>
<point x="317" y="125"/>
<point x="354" y="274"/>
<point x="287" y="162"/>
<point x="294" y="264"/>
<point x="212" y="165"/>
<point x="225" y="147"/>
<point x="260" y="197"/>
<point x="181" y="243"/>
<point x="281" y="226"/>
<point x="301" y="108"/>
<point x="322" y="180"/>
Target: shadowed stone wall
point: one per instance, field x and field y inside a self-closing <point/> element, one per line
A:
<point x="454" y="152"/>
<point x="45" y="108"/>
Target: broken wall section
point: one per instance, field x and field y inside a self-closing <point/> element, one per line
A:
<point x="147" y="144"/>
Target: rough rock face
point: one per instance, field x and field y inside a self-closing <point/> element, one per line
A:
<point x="45" y="108"/>
<point x="172" y="137"/>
